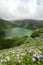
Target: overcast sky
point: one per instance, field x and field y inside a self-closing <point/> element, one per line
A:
<point x="21" y="9"/>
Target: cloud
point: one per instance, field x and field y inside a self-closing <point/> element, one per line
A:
<point x="21" y="9"/>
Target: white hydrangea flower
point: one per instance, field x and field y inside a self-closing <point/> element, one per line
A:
<point x="22" y="54"/>
<point x="19" y="50"/>
<point x="34" y="55"/>
<point x="30" y="50"/>
<point x="37" y="56"/>
<point x="7" y="58"/>
<point x="33" y="59"/>
<point x="17" y="55"/>
<point x="12" y="52"/>
<point x="3" y="60"/>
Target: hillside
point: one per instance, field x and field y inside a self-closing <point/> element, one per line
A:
<point x="5" y="24"/>
<point x="31" y="52"/>
<point x="28" y="23"/>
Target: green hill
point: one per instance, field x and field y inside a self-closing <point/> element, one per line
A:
<point x="5" y="24"/>
<point x="28" y="23"/>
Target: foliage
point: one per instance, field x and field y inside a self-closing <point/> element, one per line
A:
<point x="2" y="34"/>
<point x="15" y="41"/>
<point x="37" y="33"/>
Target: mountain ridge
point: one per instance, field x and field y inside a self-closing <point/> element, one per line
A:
<point x="26" y="23"/>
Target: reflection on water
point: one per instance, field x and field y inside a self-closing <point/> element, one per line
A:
<point x="18" y="32"/>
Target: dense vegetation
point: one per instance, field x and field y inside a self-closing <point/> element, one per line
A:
<point x="15" y="41"/>
<point x="37" y="33"/>
<point x="21" y="50"/>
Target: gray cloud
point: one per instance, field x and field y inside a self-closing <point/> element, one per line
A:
<point x="20" y="9"/>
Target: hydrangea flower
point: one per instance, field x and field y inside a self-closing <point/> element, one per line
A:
<point x="7" y="58"/>
<point x="22" y="54"/>
<point x="3" y="60"/>
<point x="33" y="59"/>
<point x="37" y="56"/>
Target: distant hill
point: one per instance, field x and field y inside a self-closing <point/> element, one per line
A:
<point x="5" y="24"/>
<point x="26" y="23"/>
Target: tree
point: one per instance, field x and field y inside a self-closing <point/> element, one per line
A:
<point x="2" y="34"/>
<point x="36" y="33"/>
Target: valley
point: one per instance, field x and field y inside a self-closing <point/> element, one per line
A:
<point x="21" y="42"/>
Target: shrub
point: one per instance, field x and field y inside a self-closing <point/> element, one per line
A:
<point x="15" y="41"/>
<point x="37" y="33"/>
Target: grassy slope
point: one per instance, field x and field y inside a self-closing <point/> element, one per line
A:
<point x="30" y="52"/>
<point x="23" y="55"/>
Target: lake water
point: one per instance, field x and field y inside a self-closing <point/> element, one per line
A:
<point x="18" y="32"/>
